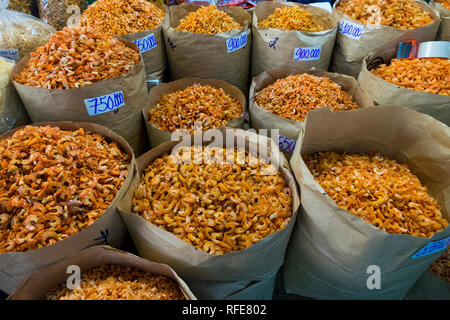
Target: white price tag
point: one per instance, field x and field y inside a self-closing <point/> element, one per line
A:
<point x="146" y="44"/>
<point x="286" y="144"/>
<point x="307" y="54"/>
<point x="351" y="29"/>
<point x="432" y="247"/>
<point x="237" y="42"/>
<point x="12" y="54"/>
<point x="103" y="104"/>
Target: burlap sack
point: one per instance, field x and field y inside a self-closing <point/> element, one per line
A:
<point x="429" y="287"/>
<point x="245" y="274"/>
<point x="444" y="28"/>
<point x="350" y="51"/>
<point x="155" y="58"/>
<point x="38" y="285"/>
<point x="69" y="104"/>
<point x="385" y="92"/>
<point x="275" y="48"/>
<point x="157" y="136"/>
<point x="204" y="55"/>
<point x="331" y="250"/>
<point x="261" y="118"/>
<point x="108" y="229"/>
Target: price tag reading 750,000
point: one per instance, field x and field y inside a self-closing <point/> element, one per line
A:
<point x="103" y="104"/>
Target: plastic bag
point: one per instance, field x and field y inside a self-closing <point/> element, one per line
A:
<point x="12" y="112"/>
<point x="57" y="12"/>
<point x="20" y="33"/>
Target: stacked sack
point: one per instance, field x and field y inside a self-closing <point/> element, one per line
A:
<point x="291" y="35"/>
<point x="367" y="25"/>
<point x="373" y="185"/>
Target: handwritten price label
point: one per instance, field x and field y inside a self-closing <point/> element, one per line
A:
<point x="237" y="42"/>
<point x="103" y="104"/>
<point x="12" y="54"/>
<point x="432" y="247"/>
<point x="350" y="29"/>
<point x="307" y="54"/>
<point x="286" y="144"/>
<point x="146" y="44"/>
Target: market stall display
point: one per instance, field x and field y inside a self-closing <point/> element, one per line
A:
<point x="83" y="75"/>
<point x="106" y="274"/>
<point x="240" y="216"/>
<point x="20" y="33"/>
<point x="57" y="12"/>
<point x="61" y="184"/>
<point x="368" y="25"/>
<point x="421" y="84"/>
<point x="12" y="111"/>
<point x="281" y="99"/>
<point x="186" y="103"/>
<point x="208" y="42"/>
<point x="288" y="34"/>
<point x="137" y="21"/>
<point x="443" y="7"/>
<point x="384" y="219"/>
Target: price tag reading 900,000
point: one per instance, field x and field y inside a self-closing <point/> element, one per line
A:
<point x="237" y="42"/>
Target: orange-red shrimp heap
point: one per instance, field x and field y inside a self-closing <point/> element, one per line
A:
<point x="215" y="207"/>
<point x="55" y="183"/>
<point x="114" y="282"/>
<point x="381" y="191"/>
<point x="77" y="57"/>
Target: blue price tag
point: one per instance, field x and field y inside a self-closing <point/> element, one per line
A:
<point x="307" y="54"/>
<point x="103" y="104"/>
<point x="286" y="144"/>
<point x="432" y="247"/>
<point x="237" y="42"/>
<point x="11" y="54"/>
<point x="350" y="29"/>
<point x="146" y="44"/>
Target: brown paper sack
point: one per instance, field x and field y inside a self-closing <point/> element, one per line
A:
<point x="154" y="59"/>
<point x="157" y="136"/>
<point x="109" y="229"/>
<point x="385" y="92"/>
<point x="444" y="28"/>
<point x="68" y="104"/>
<point x="275" y="48"/>
<point x="261" y="118"/>
<point x="429" y="287"/>
<point x="39" y="284"/>
<point x="331" y="250"/>
<point x="349" y="52"/>
<point x="245" y="274"/>
<point x="206" y="55"/>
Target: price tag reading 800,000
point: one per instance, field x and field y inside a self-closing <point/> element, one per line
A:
<point x="237" y="42"/>
<point x="146" y="44"/>
<point x="103" y="104"/>
<point x="286" y="144"/>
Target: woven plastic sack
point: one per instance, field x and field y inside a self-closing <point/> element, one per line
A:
<point x="20" y="33"/>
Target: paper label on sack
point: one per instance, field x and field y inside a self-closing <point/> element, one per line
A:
<point x="432" y="247"/>
<point x="286" y="144"/>
<point x="307" y="54"/>
<point x="146" y="43"/>
<point x="237" y="42"/>
<point x="12" y="54"/>
<point x="103" y="104"/>
<point x="351" y="29"/>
